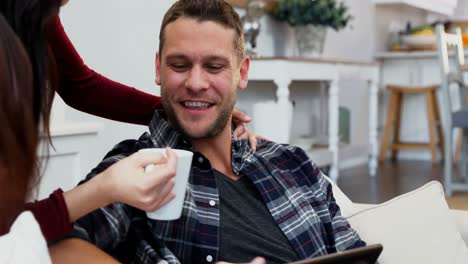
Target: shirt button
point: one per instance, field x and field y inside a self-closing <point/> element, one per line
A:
<point x="200" y="159"/>
<point x="209" y="258"/>
<point x="212" y="203"/>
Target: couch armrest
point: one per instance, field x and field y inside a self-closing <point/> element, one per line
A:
<point x="348" y="208"/>
<point x="461" y="219"/>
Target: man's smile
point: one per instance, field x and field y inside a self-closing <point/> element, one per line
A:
<point x="197" y="104"/>
<point x="196" y="107"/>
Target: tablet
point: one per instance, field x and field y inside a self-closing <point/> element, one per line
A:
<point x="362" y="255"/>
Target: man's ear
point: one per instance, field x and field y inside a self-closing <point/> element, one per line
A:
<point x="158" y="69"/>
<point x="244" y="73"/>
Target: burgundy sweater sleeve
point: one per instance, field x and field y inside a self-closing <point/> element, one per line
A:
<point x="52" y="216"/>
<point x="84" y="89"/>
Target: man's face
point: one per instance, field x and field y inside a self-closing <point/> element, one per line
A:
<point x="199" y="73"/>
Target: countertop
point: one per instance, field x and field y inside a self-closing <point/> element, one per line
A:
<point x="316" y="60"/>
<point x="408" y="54"/>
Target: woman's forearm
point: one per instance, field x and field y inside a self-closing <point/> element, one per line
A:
<point x="57" y="213"/>
<point x="86" y="198"/>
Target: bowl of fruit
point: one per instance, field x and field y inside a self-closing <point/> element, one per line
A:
<point x="420" y="38"/>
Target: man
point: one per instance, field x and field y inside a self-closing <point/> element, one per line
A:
<point x="239" y="204"/>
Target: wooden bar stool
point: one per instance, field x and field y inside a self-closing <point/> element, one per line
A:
<point x="394" y="119"/>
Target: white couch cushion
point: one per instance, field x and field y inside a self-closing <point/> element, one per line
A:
<point x="461" y="218"/>
<point x="416" y="227"/>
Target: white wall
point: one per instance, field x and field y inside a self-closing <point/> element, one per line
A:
<point x="118" y="39"/>
<point x="353" y="43"/>
<point x="367" y="32"/>
<point x="461" y="12"/>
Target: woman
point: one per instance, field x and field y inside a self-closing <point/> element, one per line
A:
<point x="18" y="143"/>
<point x="78" y="85"/>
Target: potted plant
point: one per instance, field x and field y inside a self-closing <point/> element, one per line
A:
<point x="310" y="19"/>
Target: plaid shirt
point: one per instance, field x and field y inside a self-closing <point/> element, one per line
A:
<point x="297" y="195"/>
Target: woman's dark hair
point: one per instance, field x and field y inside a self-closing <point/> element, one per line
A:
<point x="29" y="19"/>
<point x="27" y="88"/>
<point x="19" y="133"/>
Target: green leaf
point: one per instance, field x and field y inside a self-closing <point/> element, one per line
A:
<point x="317" y="12"/>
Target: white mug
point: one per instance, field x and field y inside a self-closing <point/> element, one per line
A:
<point x="173" y="209"/>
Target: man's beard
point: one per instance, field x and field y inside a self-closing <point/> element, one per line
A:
<point x="214" y="129"/>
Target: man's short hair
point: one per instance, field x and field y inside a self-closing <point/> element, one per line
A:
<point x="217" y="11"/>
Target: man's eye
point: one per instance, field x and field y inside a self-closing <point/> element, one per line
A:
<point x="179" y="66"/>
<point x="214" y="67"/>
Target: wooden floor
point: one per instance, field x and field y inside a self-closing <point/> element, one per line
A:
<point x="394" y="179"/>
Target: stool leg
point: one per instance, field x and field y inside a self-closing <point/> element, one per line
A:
<point x="431" y="126"/>
<point x="464" y="150"/>
<point x="438" y="120"/>
<point x="448" y="163"/>
<point x="388" y="126"/>
<point x="396" y="124"/>
<point x="458" y="146"/>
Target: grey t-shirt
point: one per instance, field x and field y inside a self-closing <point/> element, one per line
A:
<point x="247" y="229"/>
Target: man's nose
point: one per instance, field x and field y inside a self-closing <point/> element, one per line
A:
<point x="197" y="79"/>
